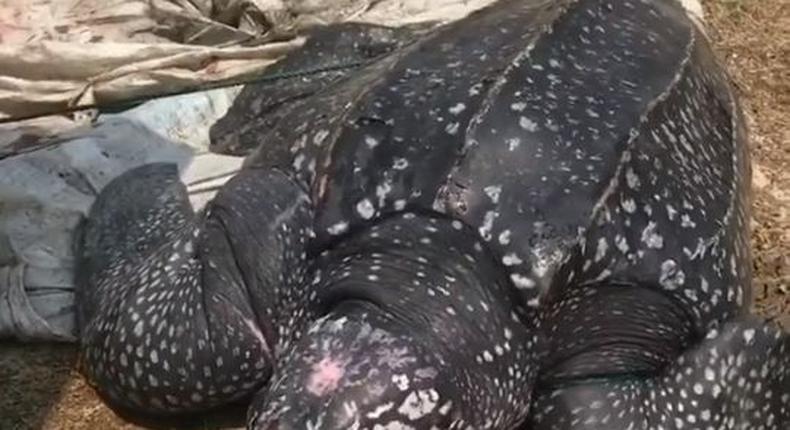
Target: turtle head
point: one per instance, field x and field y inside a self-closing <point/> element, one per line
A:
<point x="419" y="330"/>
<point x="349" y="373"/>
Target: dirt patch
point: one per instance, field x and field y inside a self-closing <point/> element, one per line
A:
<point x="752" y="37"/>
<point x="32" y="380"/>
<point x="40" y="390"/>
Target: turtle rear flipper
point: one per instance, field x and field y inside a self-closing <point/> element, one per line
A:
<point x="737" y="377"/>
<point x="329" y="54"/>
<point x="177" y="311"/>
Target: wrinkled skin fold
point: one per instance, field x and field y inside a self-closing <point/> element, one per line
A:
<point x="533" y="218"/>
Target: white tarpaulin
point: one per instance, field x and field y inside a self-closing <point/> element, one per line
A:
<point x="60" y="54"/>
<point x="45" y="193"/>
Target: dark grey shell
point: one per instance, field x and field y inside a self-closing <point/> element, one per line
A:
<point x="586" y="141"/>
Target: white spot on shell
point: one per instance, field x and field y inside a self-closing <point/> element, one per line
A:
<point x="518" y="106"/>
<point x="511" y="259"/>
<point x="457" y="109"/>
<point x="371" y="141"/>
<point x="504" y="237"/>
<point x="320" y="136"/>
<point x="671" y="276"/>
<point x="365" y="209"/>
<point x="493" y="192"/>
<point x="400" y="164"/>
<point x="419" y="403"/>
<point x="488" y="224"/>
<point x="748" y="335"/>
<point x="298" y="161"/>
<point x="338" y="228"/>
<point x="513" y="143"/>
<point x="629" y="205"/>
<point x="600" y="252"/>
<point x="631" y="178"/>
<point x="651" y="238"/>
<point x="380" y="410"/>
<point x="528" y="124"/>
<point x="522" y="282"/>
<point x="401" y="381"/>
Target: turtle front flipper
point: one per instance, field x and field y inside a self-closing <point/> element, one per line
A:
<point x="736" y="378"/>
<point x="179" y="312"/>
<point x="329" y="54"/>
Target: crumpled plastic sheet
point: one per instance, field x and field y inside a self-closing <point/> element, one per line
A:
<point x="67" y="54"/>
<point x="45" y="193"/>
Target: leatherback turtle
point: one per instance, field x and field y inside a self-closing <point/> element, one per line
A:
<point x="536" y="216"/>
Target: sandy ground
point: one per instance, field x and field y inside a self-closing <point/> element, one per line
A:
<point x="39" y="388"/>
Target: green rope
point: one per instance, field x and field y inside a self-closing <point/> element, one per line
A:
<point x="268" y="79"/>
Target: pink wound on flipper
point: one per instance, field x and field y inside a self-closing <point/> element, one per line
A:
<point x="325" y="376"/>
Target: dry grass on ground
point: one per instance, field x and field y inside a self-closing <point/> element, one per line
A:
<point x="40" y="390"/>
<point x="753" y="38"/>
